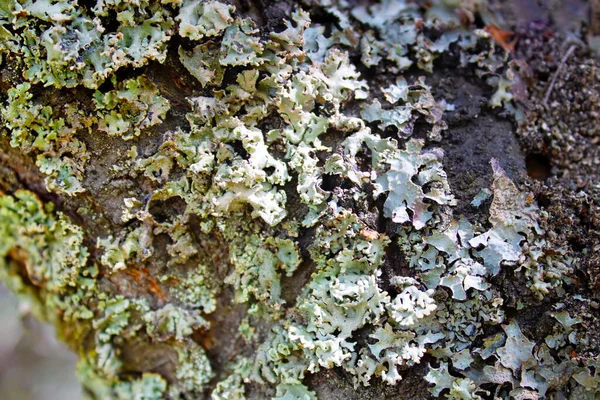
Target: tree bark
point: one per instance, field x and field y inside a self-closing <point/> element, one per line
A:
<point x="173" y="268"/>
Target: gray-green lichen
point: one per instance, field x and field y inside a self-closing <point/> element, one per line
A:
<point x="261" y="132"/>
<point x="135" y="105"/>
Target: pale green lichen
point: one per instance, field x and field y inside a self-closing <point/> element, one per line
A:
<point x="481" y="197"/>
<point x="134" y="105"/>
<point x="294" y="392"/>
<point x="30" y="232"/>
<point x="259" y="265"/>
<point x="195" y="289"/>
<point x="411" y="304"/>
<point x="36" y="128"/>
<point x="240" y="46"/>
<point x="391" y="349"/>
<point x="198" y="19"/>
<point x="203" y="63"/>
<point x="267" y="131"/>
<point x="410" y="171"/>
<point x="62" y="44"/>
<point x="48" y="250"/>
<point x="117" y="253"/>
<point x="418" y="101"/>
<point x="232" y="387"/>
<point x="149" y="387"/>
<point x="172" y="322"/>
<point x="194" y="370"/>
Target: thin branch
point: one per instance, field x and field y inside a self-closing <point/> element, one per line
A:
<point x="558" y="70"/>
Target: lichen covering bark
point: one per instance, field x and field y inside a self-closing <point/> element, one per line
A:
<point x="277" y="115"/>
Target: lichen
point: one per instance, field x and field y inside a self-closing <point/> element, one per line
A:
<point x="287" y="164"/>
<point x="133" y="106"/>
<point x="259" y="264"/>
<point x="63" y="44"/>
<point x="409" y="172"/>
<point x="48" y="250"/>
<point x="36" y="128"/>
<point x="200" y="19"/>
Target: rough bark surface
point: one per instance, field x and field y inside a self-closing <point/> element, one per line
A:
<point x="162" y="342"/>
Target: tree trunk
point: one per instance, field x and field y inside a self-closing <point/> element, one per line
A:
<point x="297" y="200"/>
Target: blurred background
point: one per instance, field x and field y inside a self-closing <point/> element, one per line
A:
<point x="33" y="364"/>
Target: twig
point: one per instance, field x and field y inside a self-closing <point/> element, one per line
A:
<point x="595" y="17"/>
<point x="558" y="70"/>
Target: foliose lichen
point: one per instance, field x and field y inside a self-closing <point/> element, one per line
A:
<point x="275" y="120"/>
